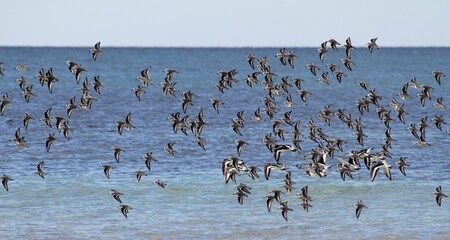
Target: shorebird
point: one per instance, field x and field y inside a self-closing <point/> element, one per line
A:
<point x="253" y="171"/>
<point x="438" y="121"/>
<point x="347" y="63"/>
<point x="5" y="179"/>
<point x="138" y="91"/>
<point x="22" y="67"/>
<point x="116" y="195"/>
<point x="376" y="166"/>
<point x="106" y="169"/>
<point x="148" y="160"/>
<point x="124" y="209"/>
<point x="201" y="142"/>
<point x="372" y="45"/>
<point x="269" y="202"/>
<point x="26" y="119"/>
<point x="284" y="210"/>
<point x="281" y="55"/>
<point x="95" y="51"/>
<point x="76" y="69"/>
<point x="268" y="167"/>
<point x="117" y="150"/>
<point x="49" y="141"/>
<point x="439" y="103"/>
<point x="324" y="78"/>
<point x="124" y="124"/>
<point x="323" y="50"/>
<point x="4" y="102"/>
<point x="240" y="196"/>
<point x="334" y="44"/>
<point x="277" y="149"/>
<point x="362" y="84"/>
<point x="139" y="175"/>
<point x="290" y="56"/>
<point x="160" y="183"/>
<point x="97" y="84"/>
<point x="257" y="116"/>
<point x="40" y="170"/>
<point x="144" y="78"/>
<point x="439" y="194"/>
<point x="216" y="102"/>
<point x="348" y="47"/>
<point x="359" y="206"/>
<point x="313" y="68"/>
<point x="242" y="187"/>
<point x="239" y="145"/>
<point x="251" y="60"/>
<point x="2" y="68"/>
<point x="170" y="149"/>
<point x="402" y="164"/>
<point x="437" y="75"/>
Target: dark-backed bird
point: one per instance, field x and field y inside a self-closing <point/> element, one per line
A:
<point x="116" y="195"/>
<point x="439" y="194"/>
<point x="5" y="179"/>
<point x="124" y="209"/>
<point x="40" y="170"/>
<point x="359" y="206"/>
<point x="95" y="51"/>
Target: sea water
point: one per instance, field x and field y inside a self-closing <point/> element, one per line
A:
<point x="72" y="202"/>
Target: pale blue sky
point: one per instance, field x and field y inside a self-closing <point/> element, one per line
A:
<point x="223" y="23"/>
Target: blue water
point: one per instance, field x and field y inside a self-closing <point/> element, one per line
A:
<point x="73" y="202"/>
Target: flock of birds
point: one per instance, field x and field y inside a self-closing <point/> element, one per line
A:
<point x="316" y="162"/>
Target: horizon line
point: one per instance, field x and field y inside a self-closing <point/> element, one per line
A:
<point x="243" y="46"/>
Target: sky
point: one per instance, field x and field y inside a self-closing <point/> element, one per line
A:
<point x="223" y="23"/>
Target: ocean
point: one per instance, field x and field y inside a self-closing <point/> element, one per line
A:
<point x="73" y="200"/>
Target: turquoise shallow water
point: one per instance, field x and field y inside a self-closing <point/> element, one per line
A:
<point x="73" y="202"/>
